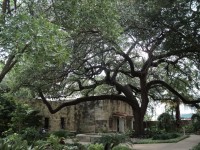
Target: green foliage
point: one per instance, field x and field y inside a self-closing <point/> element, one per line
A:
<point x="6" y="109"/>
<point x="14" y="142"/>
<point x="112" y="140"/>
<point x="189" y="128"/>
<point x="16" y="117"/>
<point x="23" y="117"/>
<point x="151" y="141"/>
<point x="61" y="133"/>
<point x="31" y="135"/>
<point x="196" y="121"/>
<point x="90" y="16"/>
<point x="52" y="142"/>
<point x="30" y="42"/>
<point x="76" y="146"/>
<point x="165" y="122"/>
<point x="165" y="136"/>
<point x="95" y="146"/>
<point x="120" y="147"/>
<point x="197" y="147"/>
<point x="151" y="131"/>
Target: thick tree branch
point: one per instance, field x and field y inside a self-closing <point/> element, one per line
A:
<point x="171" y="89"/>
<point x="181" y="52"/>
<point x="10" y="63"/>
<point x="80" y="100"/>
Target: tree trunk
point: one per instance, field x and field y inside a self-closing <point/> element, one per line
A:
<point x="178" y="117"/>
<point x="141" y="111"/>
<point x="138" y="123"/>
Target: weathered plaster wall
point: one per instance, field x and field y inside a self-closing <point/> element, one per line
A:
<point x="86" y="117"/>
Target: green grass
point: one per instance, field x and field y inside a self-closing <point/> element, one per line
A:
<point x="196" y="147"/>
<point x="150" y="141"/>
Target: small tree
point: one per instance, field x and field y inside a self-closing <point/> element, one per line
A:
<point x="24" y="117"/>
<point x="6" y="107"/>
<point x="165" y="122"/>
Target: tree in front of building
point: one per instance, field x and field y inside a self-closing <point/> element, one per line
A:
<point x="133" y="51"/>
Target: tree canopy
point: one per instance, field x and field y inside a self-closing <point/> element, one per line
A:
<point x="134" y="51"/>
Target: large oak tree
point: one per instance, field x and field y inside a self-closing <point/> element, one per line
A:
<point x="133" y="51"/>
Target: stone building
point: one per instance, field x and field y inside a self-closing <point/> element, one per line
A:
<point x="88" y="117"/>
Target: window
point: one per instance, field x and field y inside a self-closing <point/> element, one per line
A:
<point x="110" y="123"/>
<point x="46" y="123"/>
<point x="62" y="123"/>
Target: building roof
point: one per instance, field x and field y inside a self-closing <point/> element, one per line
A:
<point x="186" y="116"/>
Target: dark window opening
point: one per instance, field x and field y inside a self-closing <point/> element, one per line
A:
<point x="110" y="123"/>
<point x="46" y="123"/>
<point x="62" y="123"/>
<point x="117" y="124"/>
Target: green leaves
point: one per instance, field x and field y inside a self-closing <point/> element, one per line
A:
<point x="88" y="16"/>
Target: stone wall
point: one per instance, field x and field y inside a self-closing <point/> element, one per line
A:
<point x="88" y="117"/>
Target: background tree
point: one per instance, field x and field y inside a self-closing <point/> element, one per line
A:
<point x="28" y="35"/>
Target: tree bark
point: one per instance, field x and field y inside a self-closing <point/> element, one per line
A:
<point x="141" y="111"/>
<point x="178" y="117"/>
<point x="138" y="123"/>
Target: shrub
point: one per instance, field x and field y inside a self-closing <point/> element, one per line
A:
<point x="165" y="121"/>
<point x="14" y="142"/>
<point x="189" y="128"/>
<point x="52" y="142"/>
<point x="24" y="117"/>
<point x="32" y="135"/>
<point x="196" y="121"/>
<point x="78" y="146"/>
<point x="61" y="133"/>
<point x="96" y="147"/>
<point x="112" y="140"/>
<point x="197" y="147"/>
<point x="165" y="136"/>
<point x="6" y="109"/>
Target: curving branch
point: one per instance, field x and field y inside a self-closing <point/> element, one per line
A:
<point x="132" y="67"/>
<point x="135" y="89"/>
<point x="181" y="52"/>
<point x="10" y="63"/>
<point x="160" y="61"/>
<point x="171" y="89"/>
<point x="80" y="100"/>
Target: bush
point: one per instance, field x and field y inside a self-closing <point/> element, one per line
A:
<point x="32" y="135"/>
<point x="61" y="133"/>
<point x="165" y="121"/>
<point x="189" y="128"/>
<point x="24" y="117"/>
<point x="51" y="143"/>
<point x="165" y="136"/>
<point x="196" y="122"/>
<point x="6" y="109"/>
<point x="96" y="147"/>
<point x="14" y="142"/>
<point x="112" y="140"/>
<point x="197" y="147"/>
<point x="77" y="146"/>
